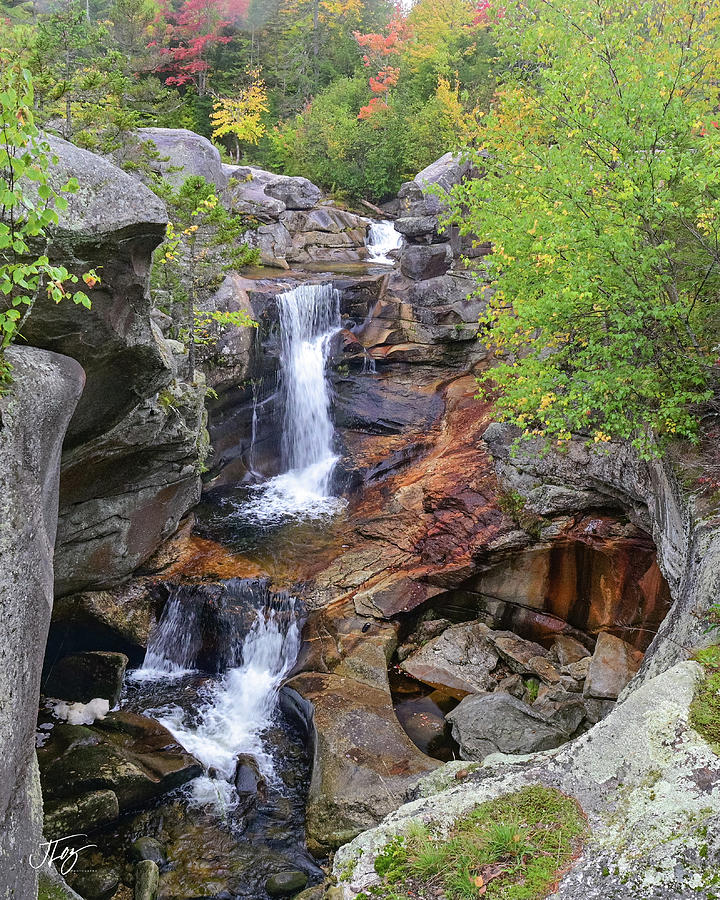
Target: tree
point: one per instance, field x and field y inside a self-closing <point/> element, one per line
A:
<point x="28" y="211"/>
<point x="242" y="117"/>
<point x="202" y="241"/>
<point x="191" y="34"/>
<point x="601" y="195"/>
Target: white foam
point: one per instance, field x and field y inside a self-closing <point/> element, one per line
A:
<point x="80" y="713"/>
<point x="238" y="708"/>
<point x="382" y="239"/>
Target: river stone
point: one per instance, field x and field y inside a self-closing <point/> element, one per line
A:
<point x="569" y="650"/>
<point x="416" y="226"/>
<point x="97" y="884"/>
<point x="561" y="709"/>
<point x="420" y="262"/>
<point x="579" y="669"/>
<point x="364" y="761"/>
<point x="34" y="412"/>
<point x="316" y="892"/>
<point x="147" y="880"/>
<point x="249" y="782"/>
<point x="285" y="883"/>
<point x="83" y="813"/>
<point x="246" y="193"/>
<point x="459" y="661"/>
<point x="613" y="664"/>
<point x="84" y="676"/>
<point x="490" y="723"/>
<point x="147" y="847"/>
<point x="544" y="669"/>
<point x="131" y="755"/>
<point x="516" y="651"/>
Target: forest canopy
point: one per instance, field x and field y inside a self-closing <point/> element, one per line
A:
<point x="357" y="95"/>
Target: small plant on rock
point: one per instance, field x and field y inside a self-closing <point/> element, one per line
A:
<point x="512" y="848"/>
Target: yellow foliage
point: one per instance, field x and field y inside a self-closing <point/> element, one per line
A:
<point x="242" y="116"/>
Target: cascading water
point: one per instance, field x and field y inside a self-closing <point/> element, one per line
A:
<point x="309" y="319"/>
<point x="237" y="708"/>
<point x="231" y="722"/>
<point x="172" y="647"/>
<point x="382" y="239"/>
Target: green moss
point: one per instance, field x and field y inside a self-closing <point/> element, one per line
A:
<point x="512" y="503"/>
<point x="705" y="707"/>
<point x="514" y="847"/>
<point x="48" y="889"/>
<point x="532" y="686"/>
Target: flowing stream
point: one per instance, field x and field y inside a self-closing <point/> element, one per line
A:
<point x="253" y="637"/>
<point x="383" y="239"/>
<point x="220" y="651"/>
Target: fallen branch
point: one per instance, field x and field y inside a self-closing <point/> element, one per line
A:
<point x="376" y="209"/>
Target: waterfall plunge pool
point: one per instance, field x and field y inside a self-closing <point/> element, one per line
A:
<point x="212" y="676"/>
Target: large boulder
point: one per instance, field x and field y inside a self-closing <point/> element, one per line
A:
<point x="134" y="446"/>
<point x="81" y="677"/>
<point x="459" y="661"/>
<point x="182" y="153"/>
<point x="34" y="414"/>
<point x="420" y="262"/>
<point x="500" y="723"/>
<point x="613" y="665"/>
<point x="266" y="195"/>
<point x="114" y="223"/>
<point x="364" y="762"/>
<point x="133" y="756"/>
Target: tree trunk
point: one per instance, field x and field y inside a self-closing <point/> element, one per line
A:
<point x="316" y="42"/>
<point x="68" y="109"/>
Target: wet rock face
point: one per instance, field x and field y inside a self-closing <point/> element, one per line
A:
<point x="83" y="676"/>
<point x="34" y="415"/>
<point x="131" y="757"/>
<point x="132" y="454"/>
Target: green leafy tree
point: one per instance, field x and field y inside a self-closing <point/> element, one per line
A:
<point x="28" y="210"/>
<point x="204" y="240"/>
<point x="601" y="195"/>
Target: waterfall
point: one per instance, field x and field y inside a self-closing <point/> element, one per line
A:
<point x="172" y="647"/>
<point x="309" y="319"/>
<point x="253" y="431"/>
<point x="237" y="708"/>
<point x="382" y="239"/>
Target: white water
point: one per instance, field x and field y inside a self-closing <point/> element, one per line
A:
<point x="239" y="707"/>
<point x="309" y="319"/>
<point x="171" y="649"/>
<point x="382" y="239"/>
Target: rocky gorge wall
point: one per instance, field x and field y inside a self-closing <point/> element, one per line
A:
<point x="33" y="417"/>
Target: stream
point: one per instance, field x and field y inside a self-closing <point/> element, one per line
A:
<point x="219" y="654"/>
